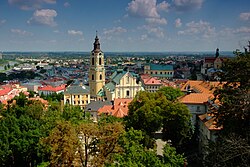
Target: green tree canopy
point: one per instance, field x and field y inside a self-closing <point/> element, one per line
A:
<point x="150" y="112"/>
<point x="171" y="93"/>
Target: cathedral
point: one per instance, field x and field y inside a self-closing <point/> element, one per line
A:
<point x="121" y="84"/>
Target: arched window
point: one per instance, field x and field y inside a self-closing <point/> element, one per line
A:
<point x="100" y="61"/>
<point x="100" y="76"/>
<point x="93" y="77"/>
<point x="93" y="61"/>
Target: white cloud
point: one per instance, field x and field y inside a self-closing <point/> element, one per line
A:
<point x="242" y="30"/>
<point x="2" y="22"/>
<point x="143" y="8"/>
<point x="198" y="28"/>
<point x="245" y="16"/>
<point x="66" y="4"/>
<point x="186" y="5"/>
<point x="56" y="31"/>
<point x="144" y="37"/>
<point x="163" y="6"/>
<point x="30" y="4"/>
<point x="114" y="31"/>
<point x="43" y="17"/>
<point x="75" y="32"/>
<point x="21" y="32"/>
<point x="178" y="23"/>
<point x="153" y="31"/>
<point x="160" y="21"/>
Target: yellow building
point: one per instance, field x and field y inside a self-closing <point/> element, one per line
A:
<point x="122" y="84"/>
<point x="164" y="71"/>
<point x="77" y="95"/>
<point x="96" y="70"/>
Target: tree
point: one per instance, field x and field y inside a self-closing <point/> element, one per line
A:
<point x="64" y="143"/>
<point x="171" y="93"/>
<point x="107" y="143"/>
<point x="135" y="154"/>
<point x="228" y="151"/>
<point x="144" y="112"/>
<point x="20" y="134"/>
<point x="177" y="126"/>
<point x="233" y="115"/>
<point x="234" y="109"/>
<point x="150" y="112"/>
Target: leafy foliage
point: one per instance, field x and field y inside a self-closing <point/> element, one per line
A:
<point x="135" y="154"/>
<point x="171" y="93"/>
<point x="228" y="151"/>
<point x="233" y="115"/>
<point x="234" y="110"/>
<point x="150" y="112"/>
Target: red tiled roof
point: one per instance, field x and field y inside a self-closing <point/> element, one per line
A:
<point x="51" y="88"/>
<point x="152" y="81"/>
<point x="119" y="109"/>
<point x="4" y="90"/>
<point x="148" y="80"/>
<point x="201" y="86"/>
<point x="209" y="121"/>
<point x="209" y="59"/>
<point x="195" y="98"/>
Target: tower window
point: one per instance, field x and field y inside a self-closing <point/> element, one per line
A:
<point x="127" y="81"/>
<point x="100" y="76"/>
<point x="100" y="61"/>
<point x="127" y="93"/>
<point x="93" y="61"/>
<point x="93" y="77"/>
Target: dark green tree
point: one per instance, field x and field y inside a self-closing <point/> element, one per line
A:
<point x="233" y="115"/>
<point x="135" y="154"/>
<point x="234" y="109"/>
<point x="171" y="93"/>
<point x="150" y="112"/>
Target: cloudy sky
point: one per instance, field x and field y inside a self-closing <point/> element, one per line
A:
<point x="124" y="25"/>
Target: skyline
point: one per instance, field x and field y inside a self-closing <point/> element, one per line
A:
<point x="124" y="25"/>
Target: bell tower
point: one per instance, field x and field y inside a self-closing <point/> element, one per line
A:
<point x="96" y="69"/>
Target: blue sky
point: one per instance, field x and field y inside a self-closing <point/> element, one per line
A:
<point x="124" y="25"/>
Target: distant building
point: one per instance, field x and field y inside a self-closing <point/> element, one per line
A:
<point x="77" y="95"/>
<point x="208" y="131"/>
<point x="8" y="92"/>
<point x="96" y="70"/>
<point x="119" y="108"/>
<point x="1" y="56"/>
<point x="93" y="107"/>
<point x="48" y="89"/>
<point x="212" y="63"/>
<point x="122" y="84"/>
<point x="151" y="84"/>
<point x="32" y="86"/>
<point x="196" y="103"/>
<point x="163" y="71"/>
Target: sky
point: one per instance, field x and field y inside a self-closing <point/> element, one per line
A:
<point x="124" y="25"/>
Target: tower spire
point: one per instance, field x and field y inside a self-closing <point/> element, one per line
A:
<point x="217" y="53"/>
<point x="97" y="47"/>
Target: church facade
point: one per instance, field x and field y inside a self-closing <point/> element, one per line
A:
<point x="122" y="84"/>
